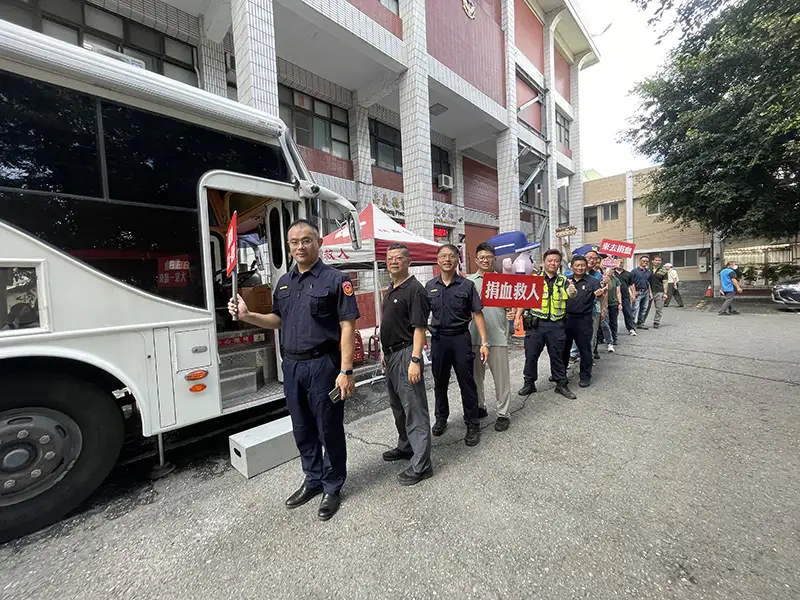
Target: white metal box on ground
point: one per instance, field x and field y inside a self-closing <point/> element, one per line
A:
<point x="262" y="448"/>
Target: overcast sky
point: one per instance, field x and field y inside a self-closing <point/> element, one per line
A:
<point x="629" y="53"/>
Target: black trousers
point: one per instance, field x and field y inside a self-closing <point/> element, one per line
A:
<point x="552" y="335"/>
<point x="613" y="322"/>
<point x="627" y="313"/>
<point x="317" y="421"/>
<point x="673" y="292"/>
<point x="578" y="329"/>
<point x="454" y="352"/>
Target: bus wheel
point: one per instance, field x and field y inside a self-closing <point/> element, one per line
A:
<point x="59" y="439"/>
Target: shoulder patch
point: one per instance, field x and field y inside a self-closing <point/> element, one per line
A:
<point x="347" y="288"/>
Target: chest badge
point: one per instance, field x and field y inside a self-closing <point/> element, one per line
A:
<point x="395" y="300"/>
<point x="347" y="288"/>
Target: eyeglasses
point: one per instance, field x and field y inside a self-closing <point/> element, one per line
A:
<point x="485" y="258"/>
<point x="302" y="242"/>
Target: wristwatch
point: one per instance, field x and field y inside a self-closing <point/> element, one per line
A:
<point x="486" y="345"/>
<point x="346" y="371"/>
<point x="416" y="360"/>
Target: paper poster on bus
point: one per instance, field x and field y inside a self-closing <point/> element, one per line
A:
<point x="617" y="248"/>
<point x="512" y="291"/>
<point x="231" y="242"/>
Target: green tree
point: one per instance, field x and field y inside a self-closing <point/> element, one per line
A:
<point x="722" y="117"/>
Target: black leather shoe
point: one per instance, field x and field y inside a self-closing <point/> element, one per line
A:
<point x="655" y="325"/>
<point x="527" y="389"/>
<point x="409" y="477"/>
<point x="328" y="506"/>
<point x="396" y="454"/>
<point x="439" y="427"/>
<point x="502" y="423"/>
<point x="642" y="326"/>
<point x="473" y="437"/>
<point x="564" y="390"/>
<point x="584" y="383"/>
<point x="301" y="496"/>
<point x="482" y="413"/>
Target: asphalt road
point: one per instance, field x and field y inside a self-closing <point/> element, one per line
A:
<point x="673" y="476"/>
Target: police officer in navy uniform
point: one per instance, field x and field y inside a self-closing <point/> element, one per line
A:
<point x="315" y="308"/>
<point x="454" y="303"/>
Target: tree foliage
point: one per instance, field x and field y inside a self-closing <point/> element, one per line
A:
<point x="723" y="116"/>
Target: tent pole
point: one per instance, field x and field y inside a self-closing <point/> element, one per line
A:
<point x="376" y="292"/>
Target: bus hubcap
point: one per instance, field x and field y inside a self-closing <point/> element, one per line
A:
<point x="37" y="448"/>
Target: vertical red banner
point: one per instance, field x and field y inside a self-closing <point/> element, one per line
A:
<point x="231" y="243"/>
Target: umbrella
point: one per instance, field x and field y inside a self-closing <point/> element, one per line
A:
<point x="511" y="242"/>
<point x="581" y="250"/>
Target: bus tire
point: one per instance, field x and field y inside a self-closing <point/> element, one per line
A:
<point x="60" y="436"/>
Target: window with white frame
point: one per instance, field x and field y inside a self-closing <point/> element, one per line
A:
<point x="392" y="5"/>
<point x="19" y="298"/>
<point x="590" y="219"/>
<point x="681" y="258"/>
<point x="610" y="212"/>
<point x="315" y="124"/>
<point x="80" y="23"/>
<point x="562" y="129"/>
<point x="652" y="212"/>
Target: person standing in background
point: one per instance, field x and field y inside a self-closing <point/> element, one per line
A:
<point x="593" y="270"/>
<point x="578" y="322"/>
<point x="614" y="300"/>
<point x="624" y="277"/>
<point x="729" y="284"/>
<point x="641" y="291"/>
<point x="658" y="287"/>
<point x="403" y="326"/>
<point x="672" y="286"/>
<point x="454" y="304"/>
<point x="497" y="335"/>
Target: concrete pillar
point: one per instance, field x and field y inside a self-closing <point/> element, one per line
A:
<point x="576" y="181"/>
<point x="415" y="121"/>
<point x="550" y="178"/>
<point x="507" y="141"/>
<point x="212" y="65"/>
<point x="360" y="153"/>
<point x="458" y="192"/>
<point x="629" y="216"/>
<point x="254" y="44"/>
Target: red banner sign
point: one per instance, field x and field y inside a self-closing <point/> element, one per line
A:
<point x="518" y="291"/>
<point x="173" y="271"/>
<point x="617" y="248"/>
<point x="240" y="340"/>
<point x="231" y="243"/>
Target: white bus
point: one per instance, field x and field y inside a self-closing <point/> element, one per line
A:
<point x="116" y="188"/>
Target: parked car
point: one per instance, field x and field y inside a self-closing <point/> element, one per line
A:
<point x="787" y="292"/>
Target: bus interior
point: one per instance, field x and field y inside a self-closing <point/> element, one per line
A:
<point x="249" y="358"/>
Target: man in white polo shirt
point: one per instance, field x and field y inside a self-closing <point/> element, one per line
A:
<point x="497" y="336"/>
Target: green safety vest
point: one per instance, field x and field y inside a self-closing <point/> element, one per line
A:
<point x="553" y="308"/>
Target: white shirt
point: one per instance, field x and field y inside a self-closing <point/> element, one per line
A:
<point x="672" y="276"/>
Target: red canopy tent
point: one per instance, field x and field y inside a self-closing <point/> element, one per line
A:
<point x="378" y="232"/>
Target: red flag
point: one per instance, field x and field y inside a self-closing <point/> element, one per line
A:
<point x="231" y="243"/>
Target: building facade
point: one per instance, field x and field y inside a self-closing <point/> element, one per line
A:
<point x="459" y="118"/>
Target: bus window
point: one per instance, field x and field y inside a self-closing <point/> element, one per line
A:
<point x="19" y="298"/>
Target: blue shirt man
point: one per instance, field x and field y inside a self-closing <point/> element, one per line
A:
<point x="641" y="278"/>
<point x="729" y="284"/>
<point x="315" y="308"/>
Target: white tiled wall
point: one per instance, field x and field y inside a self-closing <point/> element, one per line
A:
<point x="254" y="45"/>
<point x="507" y="144"/>
<point x="158" y="15"/>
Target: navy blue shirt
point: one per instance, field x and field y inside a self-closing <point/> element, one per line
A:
<point x="583" y="302"/>
<point x="452" y="306"/>
<point x="641" y="279"/>
<point x="311" y="305"/>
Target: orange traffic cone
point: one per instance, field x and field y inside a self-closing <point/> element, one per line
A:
<point x="709" y="292"/>
<point x="519" y="332"/>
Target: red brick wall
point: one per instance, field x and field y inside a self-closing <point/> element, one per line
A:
<point x="480" y="187"/>
<point x="322" y="162"/>
<point x="529" y="34"/>
<point x="473" y="48"/>
<point x="533" y="114"/>
<point x="475" y="234"/>
<point x="387" y="179"/>
<point x="366" y="306"/>
<point x="441" y="196"/>
<point x="562" y="77"/>
<point x="380" y="14"/>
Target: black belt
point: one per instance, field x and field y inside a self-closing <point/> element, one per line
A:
<point x="322" y="350"/>
<point x="451" y="332"/>
<point x="396" y="348"/>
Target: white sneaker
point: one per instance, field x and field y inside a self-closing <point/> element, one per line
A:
<point x="632" y="332"/>
<point x="611" y="348"/>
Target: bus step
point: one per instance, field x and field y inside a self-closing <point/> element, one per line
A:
<point x="241" y="381"/>
<point x="261" y="357"/>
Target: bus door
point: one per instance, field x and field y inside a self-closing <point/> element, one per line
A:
<point x="280" y="214"/>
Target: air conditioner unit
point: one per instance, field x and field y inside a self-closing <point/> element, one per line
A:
<point x="445" y="182"/>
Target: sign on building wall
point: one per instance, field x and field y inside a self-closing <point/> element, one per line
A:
<point x="566" y="231"/>
<point x="393" y="204"/>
